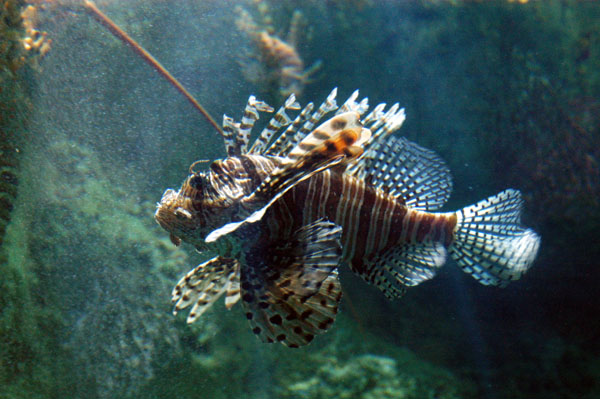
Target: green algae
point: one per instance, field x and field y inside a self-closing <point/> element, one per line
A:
<point x="86" y="268"/>
<point x="104" y="268"/>
<point x="26" y="352"/>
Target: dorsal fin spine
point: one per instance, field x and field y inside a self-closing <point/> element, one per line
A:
<point x="349" y="105"/>
<point x="381" y="123"/>
<point x="384" y="124"/>
<point x="277" y="147"/>
<point x="392" y="121"/>
<point x="279" y="120"/>
<point x="375" y="114"/>
<point x="384" y="118"/>
<point x="230" y="136"/>
<point x="327" y="106"/>
<point x="363" y="106"/>
<point x="248" y="119"/>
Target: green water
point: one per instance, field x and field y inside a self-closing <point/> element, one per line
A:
<point x="507" y="93"/>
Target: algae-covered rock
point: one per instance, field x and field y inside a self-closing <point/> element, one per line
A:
<point x="369" y="376"/>
<point x="102" y="267"/>
<point x="354" y="363"/>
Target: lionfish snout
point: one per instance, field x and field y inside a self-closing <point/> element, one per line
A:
<point x="173" y="214"/>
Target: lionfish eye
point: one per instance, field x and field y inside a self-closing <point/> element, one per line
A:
<point x="197" y="181"/>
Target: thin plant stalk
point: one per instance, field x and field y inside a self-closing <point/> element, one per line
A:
<point x="139" y="50"/>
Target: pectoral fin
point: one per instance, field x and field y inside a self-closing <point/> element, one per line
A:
<point x="290" y="290"/>
<point x="202" y="286"/>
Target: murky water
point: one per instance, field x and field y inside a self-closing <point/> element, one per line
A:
<point x="507" y="93"/>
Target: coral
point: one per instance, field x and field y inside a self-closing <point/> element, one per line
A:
<point x="274" y="64"/>
<point x="12" y="32"/>
<point x="23" y="44"/>
<point x="25" y="349"/>
<point x="365" y="376"/>
<point x="17" y="66"/>
<point x="34" y="40"/>
<point x="15" y="105"/>
<point x="29" y="366"/>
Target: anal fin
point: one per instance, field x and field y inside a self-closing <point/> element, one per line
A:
<point x="290" y="289"/>
<point x="405" y="266"/>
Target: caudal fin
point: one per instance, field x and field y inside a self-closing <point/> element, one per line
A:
<point x="489" y="241"/>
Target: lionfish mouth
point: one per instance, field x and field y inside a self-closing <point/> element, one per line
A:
<point x="169" y="214"/>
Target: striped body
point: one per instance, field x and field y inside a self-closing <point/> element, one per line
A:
<point x="372" y="221"/>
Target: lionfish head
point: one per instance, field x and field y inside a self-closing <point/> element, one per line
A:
<point x="198" y="208"/>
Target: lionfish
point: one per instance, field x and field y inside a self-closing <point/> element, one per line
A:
<point x="283" y="214"/>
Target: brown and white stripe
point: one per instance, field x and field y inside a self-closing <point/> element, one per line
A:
<point x="372" y="221"/>
<point x="279" y="120"/>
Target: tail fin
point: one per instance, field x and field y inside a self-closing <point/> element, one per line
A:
<point x="489" y="241"/>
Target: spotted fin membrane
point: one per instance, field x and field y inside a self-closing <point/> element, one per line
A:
<point x="202" y="286"/>
<point x="289" y="288"/>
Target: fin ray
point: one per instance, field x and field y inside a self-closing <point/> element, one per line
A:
<point x="279" y="120"/>
<point x="248" y="120"/>
<point x="203" y="285"/>
<point x="327" y="106"/>
<point x="289" y="135"/>
<point x="231" y="132"/>
<point x="290" y="289"/>
<point x="273" y="188"/>
<point x="405" y="266"/>
<point x="351" y="105"/>
<point x="408" y="171"/>
<point x="489" y="242"/>
<point x="337" y="140"/>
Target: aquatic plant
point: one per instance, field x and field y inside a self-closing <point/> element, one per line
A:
<point x="274" y="63"/>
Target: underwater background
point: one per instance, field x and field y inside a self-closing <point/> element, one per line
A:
<point x="507" y="92"/>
